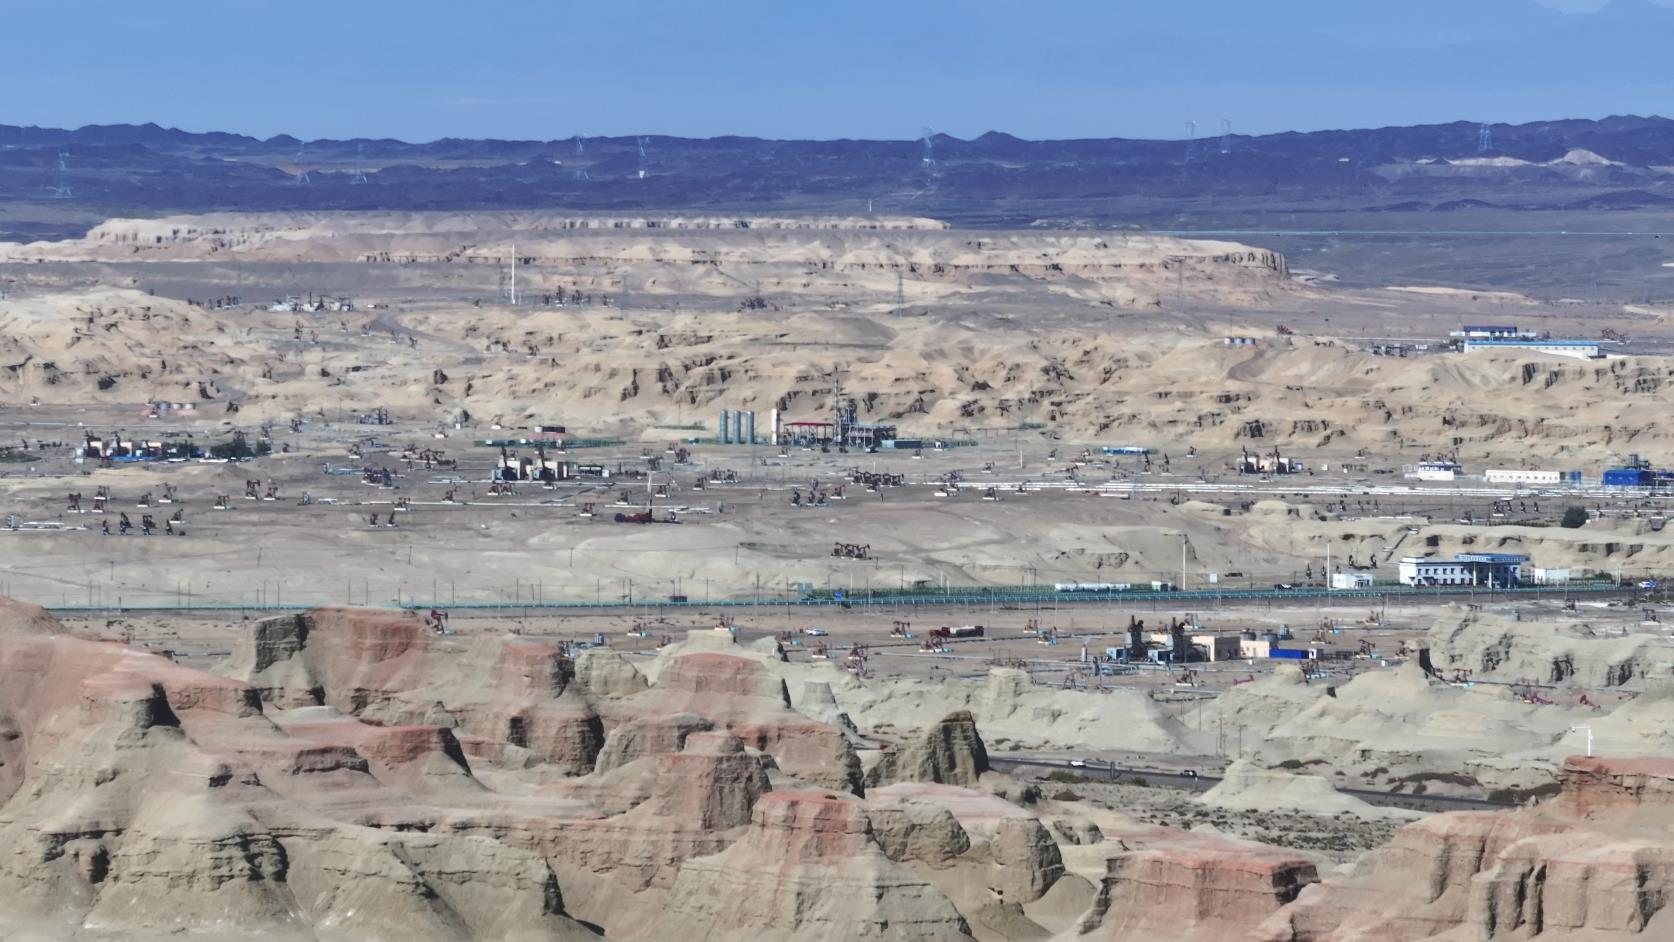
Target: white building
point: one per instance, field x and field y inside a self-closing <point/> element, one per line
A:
<point x="1510" y="476"/>
<point x="1435" y="471"/>
<point x="1581" y="349"/>
<point x="1218" y="647"/>
<point x="1351" y="580"/>
<point x="1544" y="576"/>
<point x="1491" y="332"/>
<point x="1473" y="569"/>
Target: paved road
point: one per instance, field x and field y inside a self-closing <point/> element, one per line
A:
<point x="1201" y="783"/>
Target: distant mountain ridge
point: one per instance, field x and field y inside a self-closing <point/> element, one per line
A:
<point x="1458" y="138"/>
<point x="993" y="178"/>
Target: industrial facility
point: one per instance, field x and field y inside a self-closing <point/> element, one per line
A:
<point x="738" y="427"/>
<point x="117" y="448"/>
<point x="1269" y="463"/>
<point x="1492" y="332"/>
<point x="1526" y="476"/>
<point x="1580" y="349"/>
<point x="1637" y="472"/>
<point x="1489" y="570"/>
<point x="1434" y="471"/>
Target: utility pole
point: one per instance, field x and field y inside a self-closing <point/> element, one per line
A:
<point x="514" y="274"/>
<point x="1589" y="732"/>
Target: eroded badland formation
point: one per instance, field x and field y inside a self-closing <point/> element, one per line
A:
<point x="374" y="678"/>
<point x="350" y="774"/>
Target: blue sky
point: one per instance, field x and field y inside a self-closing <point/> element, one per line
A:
<point x="423" y="69"/>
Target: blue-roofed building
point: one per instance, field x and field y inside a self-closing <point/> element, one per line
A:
<point x="1637" y="472"/>
<point x="1629" y="477"/>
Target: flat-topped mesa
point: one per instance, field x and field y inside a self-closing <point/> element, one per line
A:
<point x="742" y="696"/>
<point x="715" y="680"/>
<point x="1593" y="787"/>
<point x="45" y="678"/>
<point x="409" y="754"/>
<point x="807" y="868"/>
<point x="342" y="657"/>
<point x="1194" y="889"/>
<point x="1596" y="859"/>
<point x="389" y="668"/>
<point x="809" y="827"/>
<point x="353" y="659"/>
<point x="1493" y="646"/>
<point x="246" y="230"/>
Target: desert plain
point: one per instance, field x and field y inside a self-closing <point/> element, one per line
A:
<point x="353" y="681"/>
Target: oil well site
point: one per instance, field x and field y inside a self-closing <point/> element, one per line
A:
<point x="821" y="573"/>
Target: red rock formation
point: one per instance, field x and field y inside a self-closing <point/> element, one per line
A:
<point x="739" y="694"/>
<point x="145" y="797"/>
<point x="1187" y="887"/>
<point x="1596" y="862"/>
<point x="809" y="869"/>
<point x="389" y="668"/>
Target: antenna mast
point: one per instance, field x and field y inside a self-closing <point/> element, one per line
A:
<point x="839" y="411"/>
<point x="643" y="171"/>
<point x="360" y="164"/>
<point x="1226" y="136"/>
<point x="301" y="155"/>
<point x="1484" y="139"/>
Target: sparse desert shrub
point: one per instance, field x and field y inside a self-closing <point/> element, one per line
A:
<point x="1520" y="795"/>
<point x="1066" y="777"/>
